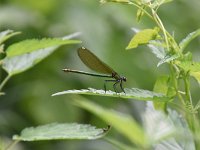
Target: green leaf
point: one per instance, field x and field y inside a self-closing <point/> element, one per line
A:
<point x="143" y="37"/>
<point x="167" y="58"/>
<point x="161" y="86"/>
<point x="124" y="123"/>
<point x="158" y="126"/>
<point x="18" y="63"/>
<point x="6" y="35"/>
<point x="183" y="44"/>
<point x="133" y="93"/>
<point x="183" y="139"/>
<point x="192" y="67"/>
<point x="157" y="50"/>
<point x="28" y="46"/>
<point x="60" y="131"/>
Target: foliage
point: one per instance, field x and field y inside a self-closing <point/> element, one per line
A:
<point x="170" y="119"/>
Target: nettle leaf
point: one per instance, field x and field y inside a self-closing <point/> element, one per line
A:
<point x="157" y="125"/>
<point x="188" y="39"/>
<point x="133" y="93"/>
<point x="167" y="131"/>
<point x="24" y="59"/>
<point x="31" y="45"/>
<point x="183" y="139"/>
<point x="143" y="37"/>
<point x="60" y="131"/>
<point x="157" y="50"/>
<point x="192" y="67"/>
<point x="4" y="35"/>
<point x="124" y="123"/>
<point x="168" y="58"/>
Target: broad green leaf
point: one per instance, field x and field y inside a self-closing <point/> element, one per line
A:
<point x="157" y="125"/>
<point x="133" y="93"/>
<point x="18" y="63"/>
<point x="143" y="37"/>
<point x="124" y="123"/>
<point x="6" y="35"/>
<point x="28" y="46"/>
<point x="192" y="67"/>
<point x="188" y="39"/>
<point x="60" y="131"/>
<point x="183" y="139"/>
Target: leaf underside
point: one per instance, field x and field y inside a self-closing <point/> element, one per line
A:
<point x="56" y="131"/>
<point x="133" y="93"/>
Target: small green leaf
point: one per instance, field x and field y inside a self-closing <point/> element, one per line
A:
<point x="143" y="37"/>
<point x="124" y="123"/>
<point x="60" y="131"/>
<point x="133" y="93"/>
<point x="157" y="49"/>
<point x="31" y="45"/>
<point x="188" y="39"/>
<point x="192" y="67"/>
<point x="7" y="34"/>
<point x="167" y="58"/>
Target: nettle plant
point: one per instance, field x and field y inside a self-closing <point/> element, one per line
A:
<point x="162" y="127"/>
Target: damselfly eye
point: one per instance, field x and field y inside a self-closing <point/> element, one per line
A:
<point x="124" y="79"/>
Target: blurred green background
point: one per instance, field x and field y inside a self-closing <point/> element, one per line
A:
<point x="106" y="31"/>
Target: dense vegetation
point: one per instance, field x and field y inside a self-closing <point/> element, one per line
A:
<point x="157" y="52"/>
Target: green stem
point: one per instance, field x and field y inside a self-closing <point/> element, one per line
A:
<point x="160" y="24"/>
<point x="187" y="88"/>
<point x="4" y="82"/>
<point x="174" y="79"/>
<point x="12" y="145"/>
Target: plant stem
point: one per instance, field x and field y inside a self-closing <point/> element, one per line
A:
<point x="176" y="83"/>
<point x="187" y="88"/>
<point x="4" y="82"/>
<point x="160" y="24"/>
